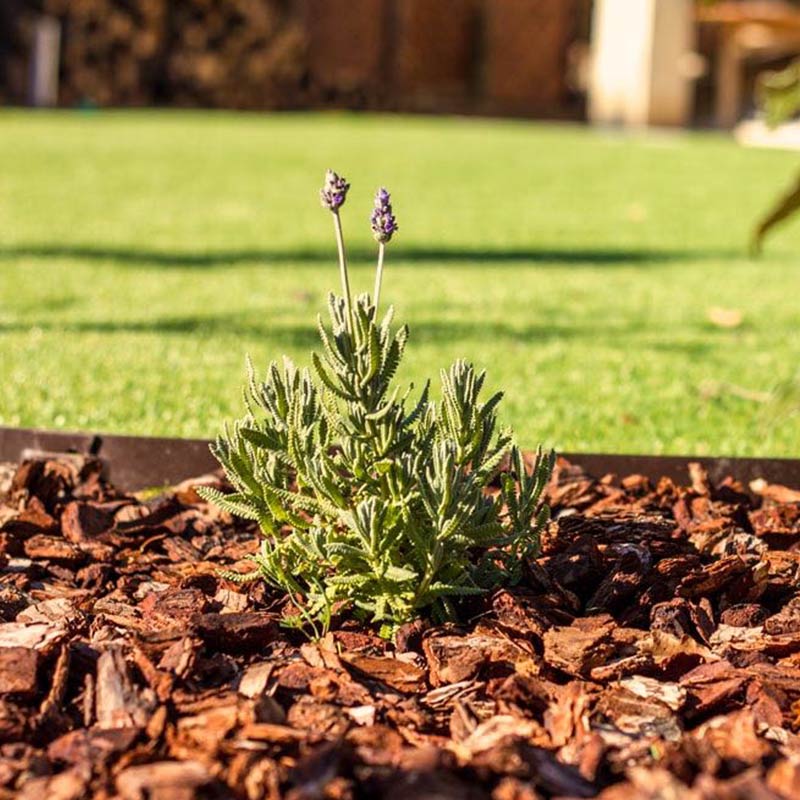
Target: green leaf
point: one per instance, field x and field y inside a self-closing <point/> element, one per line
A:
<point x="374" y="352"/>
<point x="327" y="380"/>
<point x="400" y="574"/>
<point x="266" y="439"/>
<point x="235" y="504"/>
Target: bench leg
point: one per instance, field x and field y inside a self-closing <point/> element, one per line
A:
<point x="727" y="102"/>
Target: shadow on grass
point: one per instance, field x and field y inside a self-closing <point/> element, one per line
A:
<point x="306" y="336"/>
<point x="51" y="304"/>
<point x="474" y="256"/>
<point x="202" y="326"/>
<point x="688" y="349"/>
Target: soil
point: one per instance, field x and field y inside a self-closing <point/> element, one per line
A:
<point x="652" y="651"/>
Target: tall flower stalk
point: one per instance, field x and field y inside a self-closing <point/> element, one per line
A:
<point x="369" y="503"/>
<point x="384" y="226"/>
<point x="332" y="196"/>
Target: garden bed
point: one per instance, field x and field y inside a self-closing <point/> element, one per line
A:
<point x="653" y="650"/>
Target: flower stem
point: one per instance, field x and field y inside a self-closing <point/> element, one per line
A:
<point x="378" y="277"/>
<point x="337" y="225"/>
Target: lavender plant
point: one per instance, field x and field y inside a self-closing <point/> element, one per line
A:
<point x="368" y="501"/>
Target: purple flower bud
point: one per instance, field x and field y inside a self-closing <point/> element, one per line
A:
<point x="382" y="219"/>
<point x="334" y="192"/>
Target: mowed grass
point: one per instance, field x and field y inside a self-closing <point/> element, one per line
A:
<point x="142" y="255"/>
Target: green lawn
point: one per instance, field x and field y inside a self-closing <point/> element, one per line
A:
<point x="143" y="254"/>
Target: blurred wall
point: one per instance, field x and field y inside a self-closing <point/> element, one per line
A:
<point x="480" y="56"/>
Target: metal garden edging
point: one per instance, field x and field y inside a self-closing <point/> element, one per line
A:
<point x="137" y="462"/>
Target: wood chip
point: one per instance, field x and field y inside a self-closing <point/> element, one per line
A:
<point x="118" y="702"/>
<point x="391" y="672"/>
<point x="162" y="780"/>
<point x="18" y="666"/>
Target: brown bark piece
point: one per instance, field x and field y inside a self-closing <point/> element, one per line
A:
<point x="778" y="521"/>
<point x="50" y="547"/>
<point x="18" y="667"/>
<point x="41" y="636"/>
<point x="91" y="746"/>
<point x="784" y="777"/>
<point x="455" y="659"/>
<point x="398" y="675"/>
<point x="68" y="785"/>
<point x="639" y="716"/>
<point x="774" y="492"/>
<point x="84" y="521"/>
<point x="118" y="702"/>
<point x="33" y="521"/>
<point x="712" y="577"/>
<point x="733" y="738"/>
<point x="452" y="659"/>
<point x="163" y="780"/>
<point x="244" y="632"/>
<point x="787" y="620"/>
<point x="580" y="647"/>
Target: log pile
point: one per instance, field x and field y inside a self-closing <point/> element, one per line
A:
<point x="234" y="54"/>
<point x="215" y="53"/>
<point x="652" y="651"/>
<point x="16" y="34"/>
<point x="111" y="51"/>
<point x="429" y="55"/>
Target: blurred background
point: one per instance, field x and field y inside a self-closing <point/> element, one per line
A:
<point x="580" y="187"/>
<point x="647" y="61"/>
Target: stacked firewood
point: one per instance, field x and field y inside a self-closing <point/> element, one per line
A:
<point x="111" y="50"/>
<point x="234" y="53"/>
<point x="15" y="36"/>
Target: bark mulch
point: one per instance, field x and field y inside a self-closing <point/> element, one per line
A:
<point x="653" y="651"/>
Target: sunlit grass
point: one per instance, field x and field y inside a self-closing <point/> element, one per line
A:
<point x="143" y="254"/>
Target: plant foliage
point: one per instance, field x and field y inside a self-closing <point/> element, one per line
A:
<point x="779" y="97"/>
<point x="367" y="499"/>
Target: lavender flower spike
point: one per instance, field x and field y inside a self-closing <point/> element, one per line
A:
<point x="383" y="225"/>
<point x="382" y="219"/>
<point x="333" y="194"/>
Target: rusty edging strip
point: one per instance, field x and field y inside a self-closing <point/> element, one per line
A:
<point x="134" y="462"/>
<point x="137" y="462"/>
